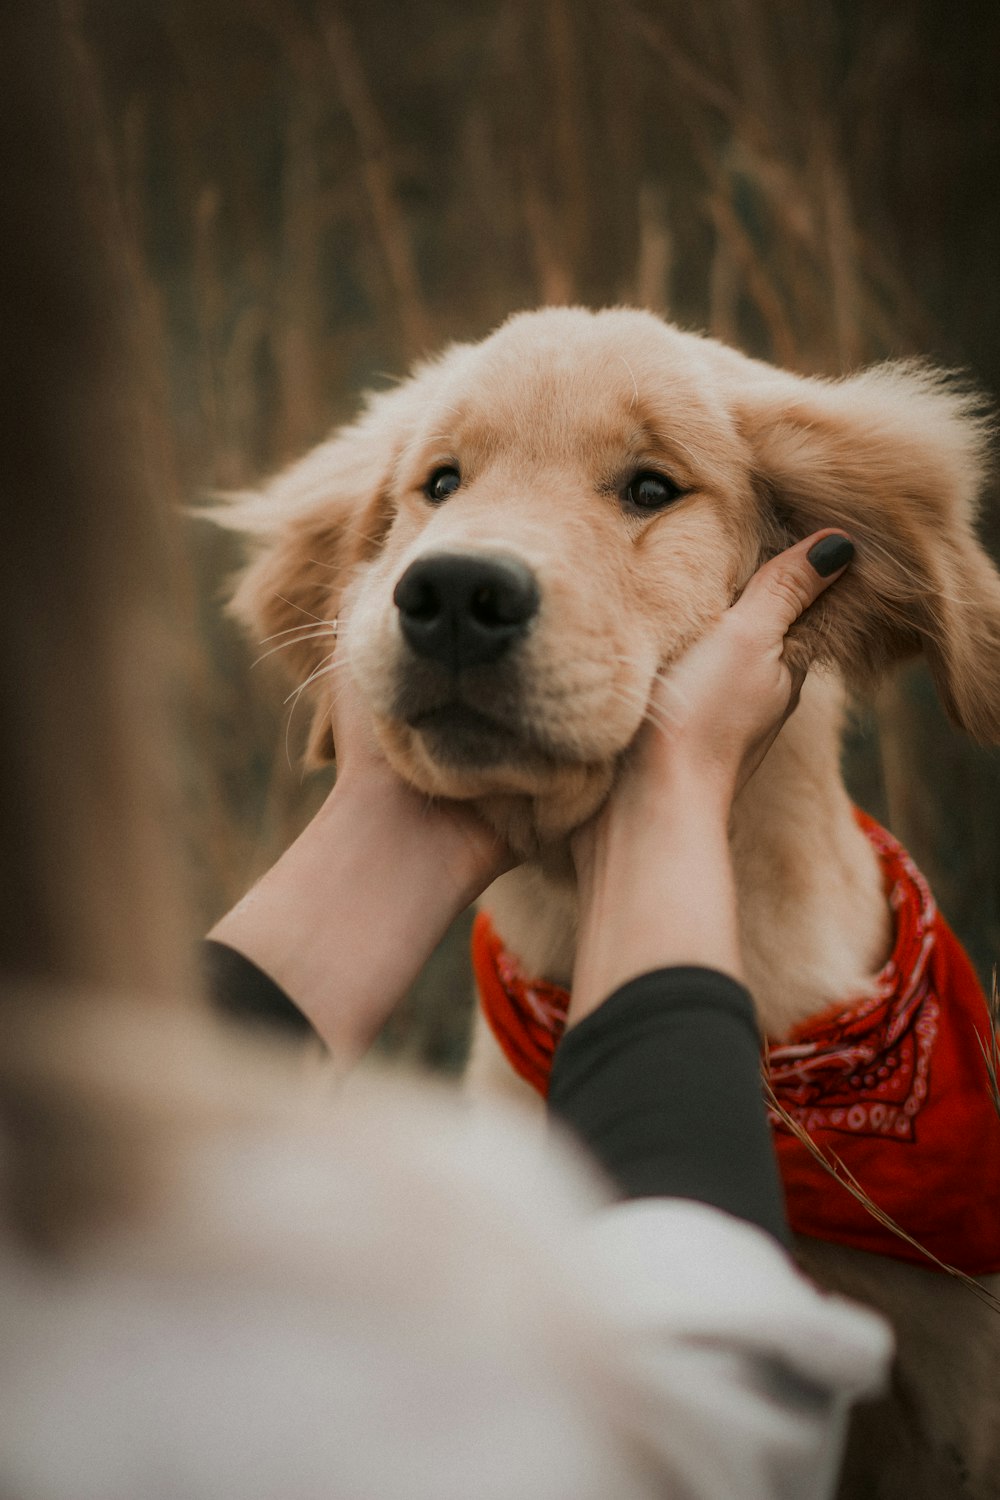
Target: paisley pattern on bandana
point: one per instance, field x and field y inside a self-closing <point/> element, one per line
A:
<point x="865" y="1067"/>
<point x="893" y="1084"/>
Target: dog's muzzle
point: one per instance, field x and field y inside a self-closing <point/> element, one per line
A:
<point x="461" y="610"/>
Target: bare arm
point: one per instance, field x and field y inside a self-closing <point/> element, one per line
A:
<point x="350" y="913"/>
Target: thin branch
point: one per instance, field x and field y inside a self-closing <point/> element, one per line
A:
<point x="991" y="1053"/>
<point x="390" y="223"/>
<point x="842" y="1174"/>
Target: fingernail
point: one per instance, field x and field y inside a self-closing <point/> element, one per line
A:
<point x="831" y="554"/>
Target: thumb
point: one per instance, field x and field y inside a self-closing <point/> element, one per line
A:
<point x="783" y="589"/>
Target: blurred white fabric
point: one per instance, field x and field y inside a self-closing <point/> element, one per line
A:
<point x="418" y="1300"/>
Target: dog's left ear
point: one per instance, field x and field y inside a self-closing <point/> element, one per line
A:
<point x="894" y="456"/>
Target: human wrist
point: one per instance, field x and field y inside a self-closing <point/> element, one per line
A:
<point x="316" y="922"/>
<point x="434" y="837"/>
<point x="656" y="890"/>
<point x="696" y="784"/>
<point x="650" y="811"/>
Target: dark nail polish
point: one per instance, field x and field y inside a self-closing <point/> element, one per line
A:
<point x="832" y="553"/>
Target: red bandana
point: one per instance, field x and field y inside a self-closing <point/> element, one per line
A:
<point x="894" y="1085"/>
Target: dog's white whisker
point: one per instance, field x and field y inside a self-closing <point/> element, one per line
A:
<point x="291" y="629"/>
<point x="327" y="669"/>
<point x="319" y="672"/>
<point x="292" y="605"/>
<point x="312" y="634"/>
<point x="422" y="441"/>
<point x="635" y="387"/>
<point x="355" y="533"/>
<point x="673" y="441"/>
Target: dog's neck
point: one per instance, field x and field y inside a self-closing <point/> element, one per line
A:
<point x="814" y="918"/>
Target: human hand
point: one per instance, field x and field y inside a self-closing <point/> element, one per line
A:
<point x="348" y="915"/>
<point x="450" y="835"/>
<point x="715" y="713"/>
<point x="346" y="918"/>
<point x="655" y="875"/>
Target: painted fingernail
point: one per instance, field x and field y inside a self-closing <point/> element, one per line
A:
<point x="831" y="554"/>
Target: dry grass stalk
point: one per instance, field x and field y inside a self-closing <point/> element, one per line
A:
<point x="845" y="1177"/>
<point x="789" y="241"/>
<point x="554" y="278"/>
<point x="991" y="1053"/>
<point x="654" y="261"/>
<point x="390" y="222"/>
<point x="569" y="129"/>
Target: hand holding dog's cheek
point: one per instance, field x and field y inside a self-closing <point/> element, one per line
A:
<point x="376" y="846"/>
<point x="441" y="831"/>
<point x="655" y="872"/>
<point x="717" y="711"/>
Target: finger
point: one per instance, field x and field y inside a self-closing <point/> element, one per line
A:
<point x="798" y="676"/>
<point x="752" y="763"/>
<point x="784" y="588"/>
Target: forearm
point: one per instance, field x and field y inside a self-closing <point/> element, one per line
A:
<point x="661" y="1083"/>
<point x="346" y="918"/>
<point x="661" y="1080"/>
<point x="657" y="891"/>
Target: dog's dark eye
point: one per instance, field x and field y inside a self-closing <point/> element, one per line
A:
<point x="442" y="483"/>
<point x="652" y="491"/>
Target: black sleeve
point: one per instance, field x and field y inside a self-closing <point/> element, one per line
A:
<point x="662" y="1084"/>
<point x="238" y="988"/>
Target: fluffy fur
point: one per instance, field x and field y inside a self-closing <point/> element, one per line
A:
<point x="547" y="421"/>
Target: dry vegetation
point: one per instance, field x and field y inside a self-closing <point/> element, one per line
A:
<point x="318" y="191"/>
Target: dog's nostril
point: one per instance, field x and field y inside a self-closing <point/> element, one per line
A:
<point x="421" y="601"/>
<point x="494" y="606"/>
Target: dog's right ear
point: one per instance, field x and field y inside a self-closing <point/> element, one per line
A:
<point x="312" y="527"/>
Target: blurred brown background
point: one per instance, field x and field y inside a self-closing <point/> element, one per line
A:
<point x="316" y="192"/>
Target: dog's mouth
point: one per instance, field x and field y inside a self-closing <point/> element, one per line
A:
<point x="509" y="731"/>
<point x="457" y="735"/>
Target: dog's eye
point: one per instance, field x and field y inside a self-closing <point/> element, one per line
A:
<point x="652" y="491"/>
<point x="442" y="483"/>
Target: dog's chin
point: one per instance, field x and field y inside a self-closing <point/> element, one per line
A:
<point x="530" y="797"/>
<point x="458" y="738"/>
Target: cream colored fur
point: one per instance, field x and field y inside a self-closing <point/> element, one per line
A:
<point x="547" y="421"/>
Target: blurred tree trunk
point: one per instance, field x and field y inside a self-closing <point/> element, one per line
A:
<point x="92" y="892"/>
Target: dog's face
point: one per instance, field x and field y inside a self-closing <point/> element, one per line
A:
<point x="526" y="530"/>
<point x="564" y="519"/>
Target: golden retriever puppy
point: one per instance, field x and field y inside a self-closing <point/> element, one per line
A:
<point x="521" y="535"/>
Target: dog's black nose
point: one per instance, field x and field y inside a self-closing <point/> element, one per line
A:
<point x="462" y="610"/>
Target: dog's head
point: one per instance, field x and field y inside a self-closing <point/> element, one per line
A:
<point x="527" y="528"/>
